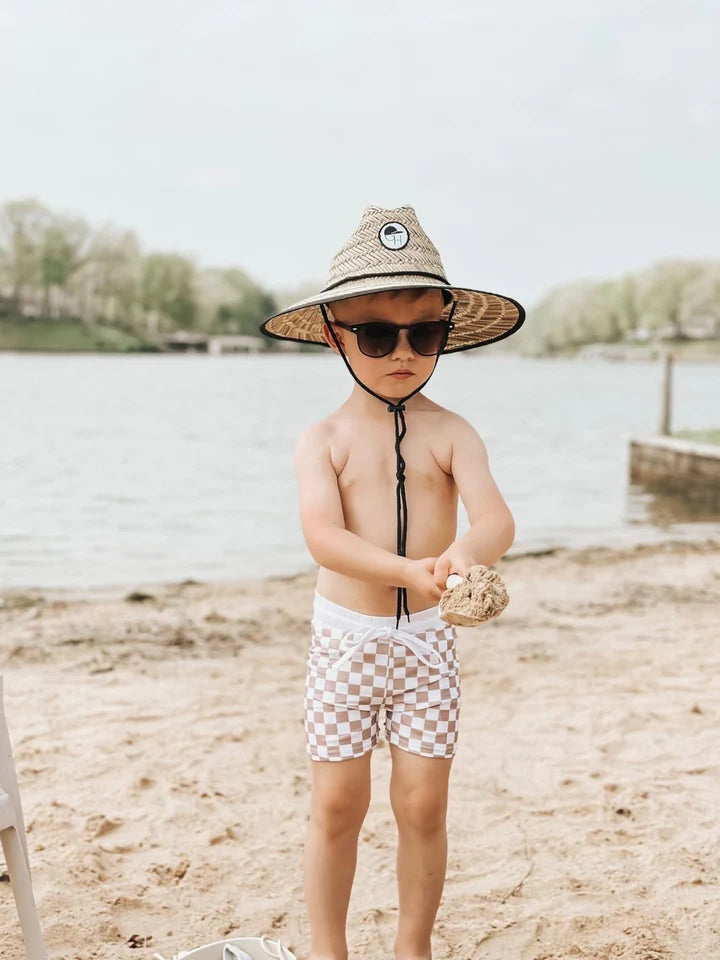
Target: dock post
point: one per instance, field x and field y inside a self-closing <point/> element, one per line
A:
<point x="666" y="394"/>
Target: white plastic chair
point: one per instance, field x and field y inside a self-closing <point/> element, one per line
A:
<point x="14" y="844"/>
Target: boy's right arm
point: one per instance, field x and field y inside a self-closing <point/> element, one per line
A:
<point x="323" y="522"/>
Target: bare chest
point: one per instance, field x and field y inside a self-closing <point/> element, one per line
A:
<point x="366" y="463"/>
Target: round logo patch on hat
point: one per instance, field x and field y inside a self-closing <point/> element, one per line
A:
<point x="394" y="235"/>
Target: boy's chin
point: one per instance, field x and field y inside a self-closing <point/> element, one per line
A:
<point x="394" y="390"/>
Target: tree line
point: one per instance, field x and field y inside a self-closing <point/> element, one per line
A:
<point x="58" y="266"/>
<point x="55" y="265"/>
<point x="671" y="300"/>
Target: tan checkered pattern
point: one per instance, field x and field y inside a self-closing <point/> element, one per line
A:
<point x="422" y="703"/>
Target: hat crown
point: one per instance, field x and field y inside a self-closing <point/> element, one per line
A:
<point x="387" y="241"/>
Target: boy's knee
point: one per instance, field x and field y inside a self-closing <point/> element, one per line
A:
<point x="421" y="809"/>
<point x="336" y="812"/>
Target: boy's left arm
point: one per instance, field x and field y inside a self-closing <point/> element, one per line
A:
<point x="492" y="528"/>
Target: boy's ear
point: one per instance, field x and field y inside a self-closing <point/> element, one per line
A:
<point x="329" y="338"/>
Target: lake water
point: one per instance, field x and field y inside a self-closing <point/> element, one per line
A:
<point x="138" y="469"/>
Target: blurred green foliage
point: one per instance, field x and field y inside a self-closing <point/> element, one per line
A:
<point x="63" y="281"/>
<point x="670" y="301"/>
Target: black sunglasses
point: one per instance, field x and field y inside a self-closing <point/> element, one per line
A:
<point x="378" y="339"/>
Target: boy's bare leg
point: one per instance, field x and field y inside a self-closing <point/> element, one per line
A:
<point x="418" y="795"/>
<point x="339" y="802"/>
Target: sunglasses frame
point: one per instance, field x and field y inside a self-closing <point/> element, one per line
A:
<point x="354" y="327"/>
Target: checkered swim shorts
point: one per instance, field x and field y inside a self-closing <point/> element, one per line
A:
<point x="358" y="663"/>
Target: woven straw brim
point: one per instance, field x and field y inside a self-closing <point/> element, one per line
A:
<point x="479" y="317"/>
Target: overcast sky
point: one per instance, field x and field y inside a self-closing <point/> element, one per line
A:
<point x="538" y="142"/>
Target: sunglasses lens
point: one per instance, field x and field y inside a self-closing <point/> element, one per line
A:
<point x="428" y="339"/>
<point x="376" y="339"/>
<point x="379" y="339"/>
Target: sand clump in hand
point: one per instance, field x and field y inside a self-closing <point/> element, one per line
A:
<point x="475" y="598"/>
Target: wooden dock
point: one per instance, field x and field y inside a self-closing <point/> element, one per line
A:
<point x="679" y="467"/>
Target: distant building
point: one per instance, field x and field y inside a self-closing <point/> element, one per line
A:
<point x="197" y="341"/>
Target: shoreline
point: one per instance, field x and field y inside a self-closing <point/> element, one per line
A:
<point x="619" y="352"/>
<point x="115" y="591"/>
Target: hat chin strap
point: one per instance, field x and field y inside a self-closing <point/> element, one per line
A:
<point x="397" y="408"/>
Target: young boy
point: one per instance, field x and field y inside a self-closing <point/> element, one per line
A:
<point x="378" y="505"/>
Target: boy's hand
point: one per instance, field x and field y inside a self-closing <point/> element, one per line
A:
<point x="454" y="560"/>
<point x="419" y="577"/>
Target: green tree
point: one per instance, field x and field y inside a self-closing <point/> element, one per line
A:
<point x="660" y="295"/>
<point x="603" y="313"/>
<point x="22" y="223"/>
<point x="233" y="303"/>
<point x="63" y="252"/>
<point x="168" y="292"/>
<point x="113" y="274"/>
<point x="700" y="304"/>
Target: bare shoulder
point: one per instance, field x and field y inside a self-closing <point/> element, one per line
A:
<point x="322" y="442"/>
<point x="446" y="431"/>
<point x="317" y="481"/>
<point x="451" y="425"/>
<point x="462" y="430"/>
<point x="314" y="439"/>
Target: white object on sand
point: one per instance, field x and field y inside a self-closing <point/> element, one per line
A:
<point x="258" y="948"/>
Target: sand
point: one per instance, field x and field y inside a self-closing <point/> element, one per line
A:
<point x="160" y="749"/>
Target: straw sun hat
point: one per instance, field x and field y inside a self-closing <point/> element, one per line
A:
<point x="390" y="251"/>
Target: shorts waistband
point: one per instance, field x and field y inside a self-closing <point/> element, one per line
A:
<point x="335" y="615"/>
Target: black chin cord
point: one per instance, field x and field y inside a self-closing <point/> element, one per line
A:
<point x="398" y="411"/>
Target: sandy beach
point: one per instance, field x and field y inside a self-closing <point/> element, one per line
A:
<point x="160" y="750"/>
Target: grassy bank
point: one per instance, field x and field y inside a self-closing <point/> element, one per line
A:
<point x="66" y="336"/>
<point x="687" y="350"/>
<point x="72" y="336"/>
<point x="700" y="436"/>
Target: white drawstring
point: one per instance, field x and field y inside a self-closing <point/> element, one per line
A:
<point x="418" y="646"/>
